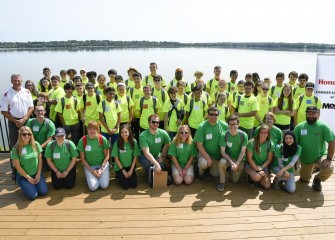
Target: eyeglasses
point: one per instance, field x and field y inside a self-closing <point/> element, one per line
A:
<point x="268" y="118"/>
<point x="38" y="110"/>
<point x="110" y="93"/>
<point x="184" y="133"/>
<point x="265" y="89"/>
<point x="26" y="134"/>
<point x="155" y="122"/>
<point x="213" y="114"/>
<point x="157" y="80"/>
<point x="233" y="124"/>
<point x="60" y="136"/>
<point x="29" y="85"/>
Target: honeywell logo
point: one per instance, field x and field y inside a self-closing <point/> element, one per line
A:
<point x="326" y="82"/>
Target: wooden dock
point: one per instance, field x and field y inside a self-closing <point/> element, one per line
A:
<point x="192" y="212"/>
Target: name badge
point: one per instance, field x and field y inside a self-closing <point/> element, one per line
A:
<point x="209" y="136"/>
<point x="107" y="109"/>
<point x="88" y="104"/>
<point x="229" y="144"/>
<point x="308" y="101"/>
<point x="278" y="94"/>
<point x="137" y="96"/>
<point x="56" y="155"/>
<point x="123" y="151"/>
<point x="67" y="106"/>
<point x="157" y="140"/>
<point x="180" y="145"/>
<point x="303" y="131"/>
<point x="24" y="151"/>
<point x="36" y="128"/>
<point x="196" y="107"/>
<point x="88" y="148"/>
<point x="284" y="103"/>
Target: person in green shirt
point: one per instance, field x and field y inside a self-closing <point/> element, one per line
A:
<point x="182" y="151"/>
<point x="152" y="141"/>
<point x="233" y="144"/>
<point x="126" y="152"/>
<point x="27" y="159"/>
<point x="54" y="97"/>
<point x="61" y="155"/>
<point x="207" y="138"/>
<point x="286" y="156"/>
<point x="67" y="109"/>
<point x="313" y="135"/>
<point x="259" y="156"/>
<point x="94" y="154"/>
<point x="276" y="135"/>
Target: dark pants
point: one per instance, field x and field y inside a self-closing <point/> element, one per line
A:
<point x="125" y="183"/>
<point x="75" y="132"/>
<point x="13" y="136"/>
<point x="193" y="130"/>
<point x="135" y="126"/>
<point x="67" y="182"/>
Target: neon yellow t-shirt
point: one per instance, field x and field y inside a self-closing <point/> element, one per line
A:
<point x="136" y="94"/>
<point x="232" y="87"/>
<point x="110" y="113"/>
<point x="159" y="96"/>
<point x="174" y="83"/>
<point x="297" y="92"/>
<point x="55" y="94"/>
<point x="70" y="111"/>
<point x="247" y="104"/>
<point x="197" y="114"/>
<point x="283" y="119"/>
<point x="265" y="103"/>
<point x="172" y="123"/>
<point x="212" y="85"/>
<point x="275" y="91"/>
<point x="204" y="96"/>
<point x="223" y="112"/>
<point x="148" y="109"/>
<point x="91" y="113"/>
<point x="124" y="106"/>
<point x="149" y="80"/>
<point x="306" y="102"/>
<point x="129" y="83"/>
<point x="229" y="97"/>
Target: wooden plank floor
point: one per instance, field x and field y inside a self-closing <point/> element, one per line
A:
<point x="193" y="212"/>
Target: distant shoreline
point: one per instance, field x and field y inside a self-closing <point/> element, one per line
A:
<point x="94" y="45"/>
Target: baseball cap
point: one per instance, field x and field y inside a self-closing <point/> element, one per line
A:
<point x="309" y="85"/>
<point x="60" y="132"/>
<point x="311" y="109"/>
<point x="89" y="84"/>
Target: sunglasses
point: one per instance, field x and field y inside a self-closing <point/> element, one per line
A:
<point x="265" y="89"/>
<point x="155" y="122"/>
<point x="183" y="132"/>
<point x="157" y="80"/>
<point x="213" y="114"/>
<point x="26" y="134"/>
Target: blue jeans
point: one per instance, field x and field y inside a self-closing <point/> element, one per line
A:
<point x="31" y="191"/>
<point x="113" y="137"/>
<point x="94" y="182"/>
<point x="146" y="163"/>
<point x="289" y="183"/>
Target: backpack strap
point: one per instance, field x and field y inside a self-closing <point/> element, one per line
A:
<point x="294" y="90"/>
<point x="100" y="140"/>
<point x="84" y="141"/>
<point x="229" y="86"/>
<point x="270" y="100"/>
<point x="146" y="80"/>
<point x="174" y="107"/>
<point x="131" y="92"/>
<point x="272" y="90"/>
<point x="67" y="144"/>
<point x="210" y="83"/>
<point x="84" y="100"/>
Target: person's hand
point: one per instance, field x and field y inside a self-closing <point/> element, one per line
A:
<point x="59" y="174"/>
<point x="64" y="174"/>
<point x="98" y="173"/>
<point x="158" y="169"/>
<point x="31" y="180"/>
<point x="234" y="166"/>
<point x="184" y="172"/>
<point x="160" y="159"/>
<point x="110" y="131"/>
<point x="209" y="162"/>
<point x="125" y="174"/>
<point x="325" y="163"/>
<point x="180" y="171"/>
<point x="37" y="178"/>
<point x="130" y="172"/>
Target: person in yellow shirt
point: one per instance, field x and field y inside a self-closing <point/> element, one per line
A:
<point x="67" y="109"/>
<point x="248" y="77"/>
<point x="147" y="106"/>
<point x="181" y="92"/>
<point x="204" y="95"/>
<point x="91" y="75"/>
<point x="277" y="89"/>
<point x="71" y="73"/>
<point x="101" y="85"/>
<point x="268" y="81"/>
<point x="83" y="76"/>
<point x="240" y="92"/>
<point x="221" y="99"/>
<point x="222" y="89"/>
<point x="265" y="105"/>
<point x="161" y="95"/>
<point x="77" y="80"/>
<point x="54" y="97"/>
<point x="130" y="81"/>
<point x="112" y="81"/>
<point x="292" y="76"/>
<point x="300" y="88"/>
<point x="179" y="77"/>
<point x="212" y="84"/>
<point x="232" y="86"/>
<point x="126" y="103"/>
<point x="198" y="75"/>
<point x="136" y="93"/>
<point x="246" y="107"/>
<point x="149" y="79"/>
<point x="63" y="78"/>
<point x="46" y="75"/>
<point x="110" y="116"/>
<point x="304" y="101"/>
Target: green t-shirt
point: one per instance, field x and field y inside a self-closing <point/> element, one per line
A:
<point x="276" y="135"/>
<point x="210" y="136"/>
<point x="70" y="111"/>
<point x="124" y="106"/>
<point x="183" y="152"/>
<point x="283" y="119"/>
<point x="136" y="94"/>
<point x="28" y="159"/>
<point x="94" y="153"/>
<point x="111" y="114"/>
<point x="61" y="157"/>
<point x="154" y="141"/>
<point x="262" y="156"/>
<point x="172" y="123"/>
<point x="125" y="156"/>
<point x="246" y="105"/>
<point x="312" y="139"/>
<point x="42" y="131"/>
<point x="306" y="102"/>
<point x="234" y="144"/>
<point x="286" y="161"/>
<point x="148" y="109"/>
<point x="55" y="94"/>
<point x="91" y="113"/>
<point x="197" y="114"/>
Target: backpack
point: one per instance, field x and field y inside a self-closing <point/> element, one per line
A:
<point x="162" y="92"/>
<point x="239" y="132"/>
<point x="272" y="90"/>
<point x="99" y="140"/>
<point x="191" y="106"/>
<point x="103" y="103"/>
<point x="154" y="99"/>
<point x="301" y="97"/>
<point x="238" y="102"/>
<point x="226" y="108"/>
<point x="97" y="97"/>
<point x="127" y="97"/>
<point x="63" y="103"/>
<point x="180" y="113"/>
<point x="47" y="125"/>
<point x="217" y="93"/>
<point x="67" y="144"/>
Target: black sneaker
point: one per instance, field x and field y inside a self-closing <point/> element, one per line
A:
<point x="317" y="185"/>
<point x="250" y="181"/>
<point x="169" y="180"/>
<point x="220" y="187"/>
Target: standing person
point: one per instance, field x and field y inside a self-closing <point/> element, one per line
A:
<point x="32" y="89"/>
<point x="204" y="95"/>
<point x="46" y="86"/>
<point x="67" y="109"/>
<point x="126" y="152"/>
<point x="94" y="154"/>
<point x="54" y="96"/>
<point x="284" y="108"/>
<point x="161" y="95"/>
<point x="112" y="81"/>
<point x="276" y="135"/>
<point x="130" y="81"/>
<point x="61" y="155"/>
<point x="292" y="76"/>
<point x="286" y="156"/>
<point x="71" y="73"/>
<point x="178" y="76"/>
<point x="149" y="79"/>
<point x="233" y="144"/>
<point x="265" y="103"/>
<point x="101" y="85"/>
<point x="77" y="81"/>
<point x="198" y="75"/>
<point x="63" y="78"/>
<point x="221" y="99"/>
<point x="259" y="156"/>
<point x="277" y="89"/>
<point x="17" y="106"/>
<point x="126" y="103"/>
<point x="181" y="92"/>
<point x="46" y="76"/>
<point x="212" y="84"/>
<point x="91" y="75"/>
<point x="83" y="76"/>
<point x="207" y="138"/>
<point x="42" y="100"/>
<point x="27" y="159"/>
<point x="312" y="135"/>
<point x="232" y="86"/>
<point x="222" y="85"/>
<point x="183" y="150"/>
<point x="152" y="141"/>
<point x="300" y="88"/>
<point x="246" y="107"/>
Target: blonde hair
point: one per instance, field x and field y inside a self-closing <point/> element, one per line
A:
<point x="93" y="125"/>
<point x="189" y="139"/>
<point x="19" y="144"/>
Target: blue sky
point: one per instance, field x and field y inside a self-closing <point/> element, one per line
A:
<point x="168" y="20"/>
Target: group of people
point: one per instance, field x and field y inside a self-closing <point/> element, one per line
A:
<point x="195" y="128"/>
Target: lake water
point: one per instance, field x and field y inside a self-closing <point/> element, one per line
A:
<point x="267" y="63"/>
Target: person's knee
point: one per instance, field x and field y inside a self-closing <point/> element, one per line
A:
<point x="290" y="189"/>
<point x="93" y="187"/>
<point x="104" y="185"/>
<point x="177" y="180"/>
<point x="202" y="163"/>
<point x="223" y="163"/>
<point x="188" y="180"/>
